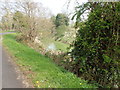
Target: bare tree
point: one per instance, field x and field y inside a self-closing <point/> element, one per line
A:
<point x="36" y="18"/>
<point x="6" y="15"/>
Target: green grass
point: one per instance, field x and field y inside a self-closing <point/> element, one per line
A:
<point x="44" y="70"/>
<point x="59" y="45"/>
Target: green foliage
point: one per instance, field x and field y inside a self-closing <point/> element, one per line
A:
<point x="6" y="21"/>
<point x="61" y="30"/>
<point x="53" y="18"/>
<point x="96" y="53"/>
<point x="59" y="45"/>
<point x="40" y="69"/>
<point x="20" y="21"/>
<point x="107" y="59"/>
<point x="61" y="19"/>
<point x="26" y="25"/>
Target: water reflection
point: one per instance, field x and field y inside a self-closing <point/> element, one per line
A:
<point x="51" y="47"/>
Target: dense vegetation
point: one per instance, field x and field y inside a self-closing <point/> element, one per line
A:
<point x="61" y="19"/>
<point x="30" y="19"/>
<point x="94" y="54"/>
<point x="61" y="22"/>
<point x="41" y="70"/>
<point x="96" y="50"/>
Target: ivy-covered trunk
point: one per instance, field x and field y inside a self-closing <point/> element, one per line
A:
<point x="97" y="46"/>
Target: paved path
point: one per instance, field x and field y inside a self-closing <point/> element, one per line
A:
<point x="6" y="33"/>
<point x="0" y="64"/>
<point x="9" y="75"/>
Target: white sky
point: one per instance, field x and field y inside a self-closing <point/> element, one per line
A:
<point x="56" y="6"/>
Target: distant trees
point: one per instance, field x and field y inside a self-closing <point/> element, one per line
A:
<point x="6" y="22"/>
<point x="61" y="19"/>
<point x="46" y="27"/>
<point x="19" y="21"/>
<point x="53" y="19"/>
<point x="29" y="18"/>
<point x="61" y="22"/>
<point x="6" y="19"/>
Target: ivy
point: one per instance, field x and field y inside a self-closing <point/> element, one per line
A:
<point x="96" y="50"/>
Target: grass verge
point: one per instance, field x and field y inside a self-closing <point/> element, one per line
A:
<point x="43" y="72"/>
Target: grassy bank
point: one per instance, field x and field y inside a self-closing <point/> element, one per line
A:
<point x="40" y="69"/>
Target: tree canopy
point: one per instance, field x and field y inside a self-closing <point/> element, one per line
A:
<point x="61" y="19"/>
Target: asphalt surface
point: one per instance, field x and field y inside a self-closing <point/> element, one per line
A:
<point x="10" y="77"/>
<point x="0" y="63"/>
<point x="6" y="33"/>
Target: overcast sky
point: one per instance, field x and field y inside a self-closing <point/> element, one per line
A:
<point x="56" y="6"/>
